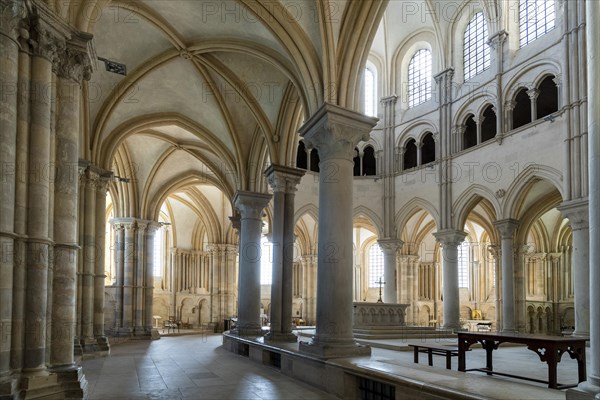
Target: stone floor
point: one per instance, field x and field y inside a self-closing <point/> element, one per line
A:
<point x="195" y="367"/>
<point x="187" y="367"/>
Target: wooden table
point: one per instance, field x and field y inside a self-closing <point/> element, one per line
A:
<point x="550" y="349"/>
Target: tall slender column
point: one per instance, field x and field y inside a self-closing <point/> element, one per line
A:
<point x="128" y="274"/>
<point x="73" y="68"/>
<point x="494" y="251"/>
<point x="390" y="248"/>
<point x="100" y="273"/>
<point x="578" y="213"/>
<point x="119" y="269"/>
<point x="506" y="228"/>
<point x="450" y="240"/>
<point x="139" y="278"/>
<point x="533" y="95"/>
<point x="592" y="385"/>
<point x="251" y="206"/>
<point x="87" y="339"/>
<point x="152" y="230"/>
<point x="283" y="180"/>
<point x="45" y="48"/>
<point x="12" y="12"/>
<point x="335" y="132"/>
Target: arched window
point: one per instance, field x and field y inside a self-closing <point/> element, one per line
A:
<point x="375" y="265"/>
<point x="301" y="158"/>
<point x="536" y="18"/>
<point x="410" y="154"/>
<point x="428" y="149"/>
<point x="266" y="262"/>
<point x="522" y="110"/>
<point x="470" y="134"/>
<point x="370" y="91"/>
<point x="369" y="161"/>
<point x="547" y="100"/>
<point x="476" y="49"/>
<point x="419" y="78"/>
<point x="463" y="264"/>
<point x="488" y="126"/>
<point x="314" y="160"/>
<point x="356" y="159"/>
<point x="158" y="252"/>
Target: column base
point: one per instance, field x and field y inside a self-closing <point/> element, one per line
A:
<point x="585" y="391"/>
<point x="247" y="332"/>
<point x="146" y="334"/>
<point x="581" y="334"/>
<point x="73" y="383"/>
<point x="40" y="384"/>
<point x="103" y="345"/>
<point x="89" y="345"/>
<point x="77" y="349"/>
<point x="8" y="387"/>
<point x="281" y="337"/>
<point x="334" y="350"/>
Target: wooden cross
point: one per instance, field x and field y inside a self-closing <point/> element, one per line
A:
<point x="381" y="283"/>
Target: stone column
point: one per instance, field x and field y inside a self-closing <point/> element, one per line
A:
<point x="251" y="206"/>
<point x="494" y="251"/>
<point x="149" y="330"/>
<point x="578" y="213"/>
<point x="283" y="180"/>
<point x="139" y="278"/>
<point x="38" y="229"/>
<point x="128" y="274"/>
<point x="390" y="247"/>
<point x="87" y="339"/>
<point x="450" y="240"/>
<point x="119" y="264"/>
<point x="74" y="66"/>
<point x="507" y="228"/>
<point x="592" y="386"/>
<point x="11" y="13"/>
<point x="100" y="273"/>
<point x="533" y="95"/>
<point x="335" y="132"/>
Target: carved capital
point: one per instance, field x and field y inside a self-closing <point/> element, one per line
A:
<point x="73" y="64"/>
<point x="510" y="105"/>
<point x="284" y="179"/>
<point x="506" y="227"/>
<point x="250" y="204"/>
<point x="335" y="131"/>
<point x="44" y="43"/>
<point x="533" y="94"/>
<point x="450" y="237"/>
<point x="578" y="213"/>
<point x="498" y="39"/>
<point x="390" y="246"/>
<point x="12" y="12"/>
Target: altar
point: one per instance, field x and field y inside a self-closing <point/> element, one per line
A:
<point x="379" y="314"/>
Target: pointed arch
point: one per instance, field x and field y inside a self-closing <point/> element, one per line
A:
<point x="410" y="208"/>
<point x="465" y="203"/>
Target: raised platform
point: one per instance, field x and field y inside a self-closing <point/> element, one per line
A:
<point x="347" y="377"/>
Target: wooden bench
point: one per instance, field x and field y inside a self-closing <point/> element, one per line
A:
<point x="438" y="350"/>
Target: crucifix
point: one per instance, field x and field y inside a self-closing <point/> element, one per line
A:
<point x="380" y="282"/>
